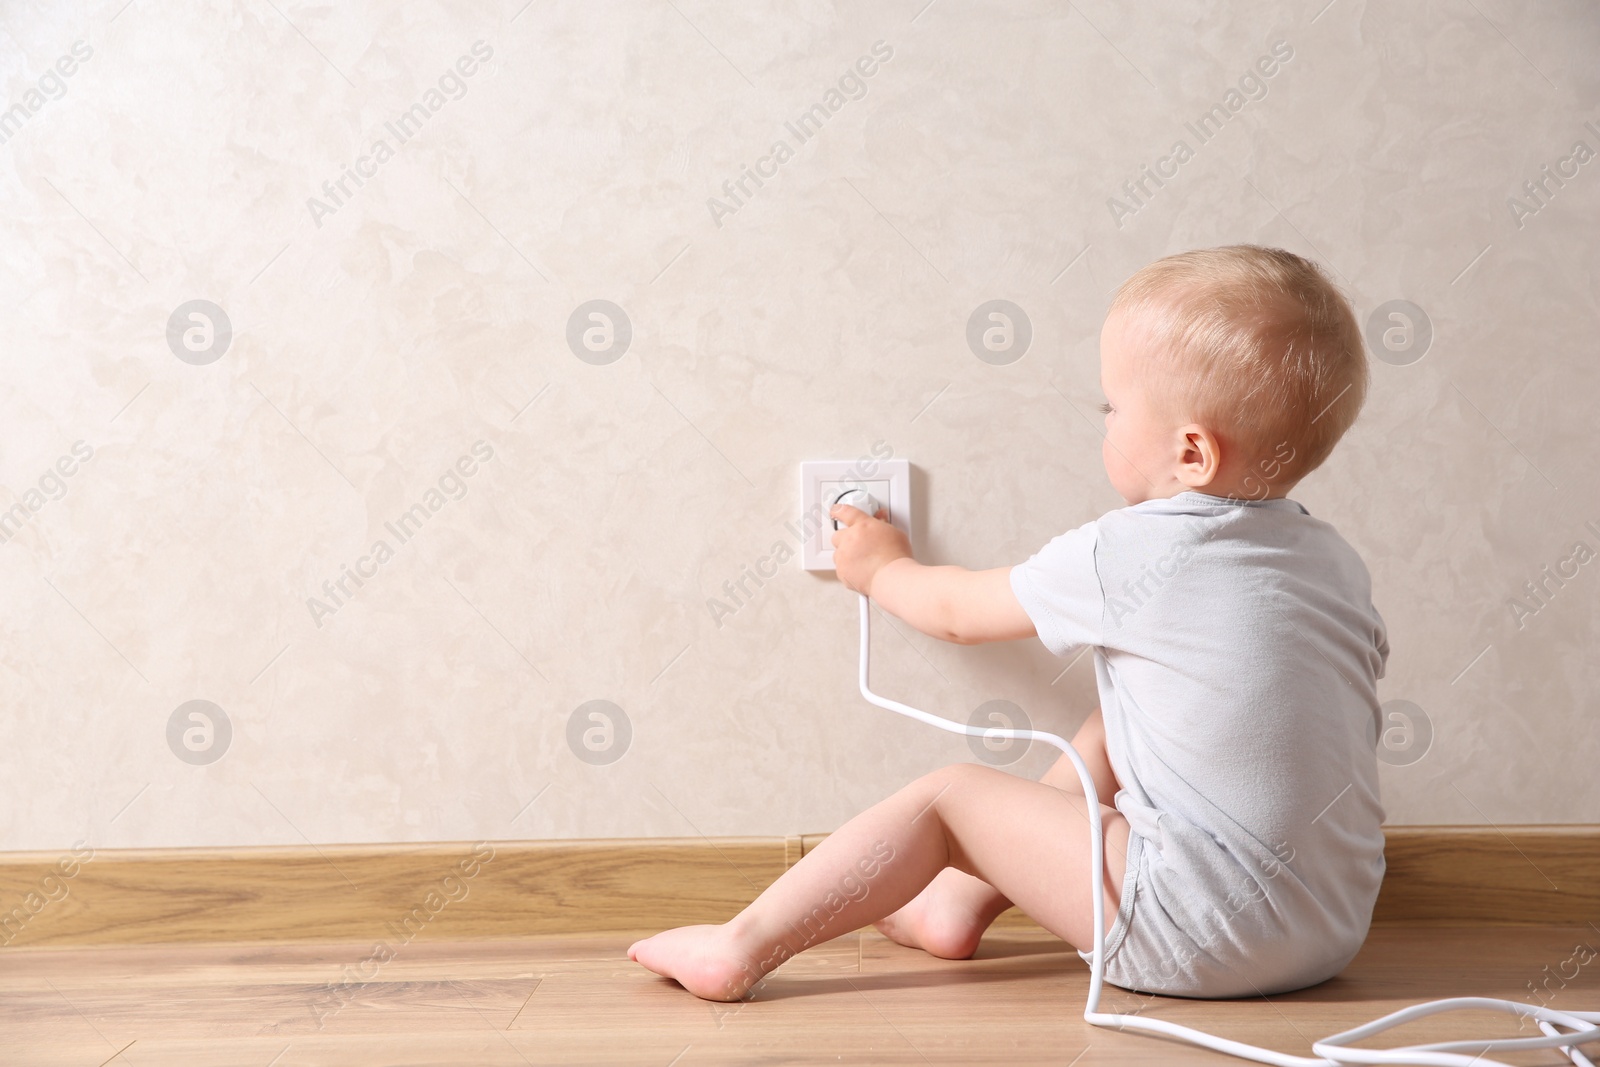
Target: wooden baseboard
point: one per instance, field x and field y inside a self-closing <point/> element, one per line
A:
<point x="1516" y="875"/>
<point x="1530" y="875"/>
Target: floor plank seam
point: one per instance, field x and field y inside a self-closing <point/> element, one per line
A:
<point x="118" y="1054"/>
<point x="512" y="1024"/>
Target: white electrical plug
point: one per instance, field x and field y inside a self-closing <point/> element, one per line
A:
<point x="858" y="498"/>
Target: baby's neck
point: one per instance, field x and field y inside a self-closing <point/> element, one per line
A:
<point x="1232" y="489"/>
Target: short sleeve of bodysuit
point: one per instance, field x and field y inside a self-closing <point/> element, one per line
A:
<point x="1059" y="587"/>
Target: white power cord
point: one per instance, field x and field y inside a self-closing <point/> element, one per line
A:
<point x="1332" y="1051"/>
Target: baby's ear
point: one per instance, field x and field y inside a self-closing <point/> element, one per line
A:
<point x="1200" y="456"/>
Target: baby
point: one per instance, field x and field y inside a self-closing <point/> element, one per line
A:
<point x="1236" y="651"/>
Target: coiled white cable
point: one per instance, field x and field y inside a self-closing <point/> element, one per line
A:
<point x="1330" y="1051"/>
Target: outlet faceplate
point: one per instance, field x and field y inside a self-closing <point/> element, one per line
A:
<point x="824" y="481"/>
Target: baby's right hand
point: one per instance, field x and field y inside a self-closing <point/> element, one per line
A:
<point x="864" y="545"/>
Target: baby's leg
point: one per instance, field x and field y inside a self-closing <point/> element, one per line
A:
<point x="1027" y="839"/>
<point x="948" y="918"/>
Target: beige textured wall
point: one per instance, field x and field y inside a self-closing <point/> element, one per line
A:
<point x="388" y="340"/>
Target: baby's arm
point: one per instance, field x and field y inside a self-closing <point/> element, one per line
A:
<point x="950" y="603"/>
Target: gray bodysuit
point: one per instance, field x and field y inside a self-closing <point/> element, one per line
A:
<point x="1237" y="653"/>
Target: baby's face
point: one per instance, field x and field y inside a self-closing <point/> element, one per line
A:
<point x="1140" y="446"/>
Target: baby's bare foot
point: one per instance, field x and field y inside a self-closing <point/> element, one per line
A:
<point x="702" y="959"/>
<point x="935" y="924"/>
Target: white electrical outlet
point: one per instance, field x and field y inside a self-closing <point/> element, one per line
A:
<point x="824" y="481"/>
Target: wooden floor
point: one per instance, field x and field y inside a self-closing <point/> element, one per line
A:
<point x="860" y="999"/>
